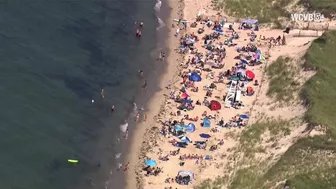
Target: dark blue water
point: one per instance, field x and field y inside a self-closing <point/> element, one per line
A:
<point x="55" y="57"/>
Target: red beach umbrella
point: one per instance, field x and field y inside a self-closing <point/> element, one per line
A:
<point x="215" y="105"/>
<point x="249" y="74"/>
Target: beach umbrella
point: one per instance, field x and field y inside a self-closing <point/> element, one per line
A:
<point x="256" y="56"/>
<point x="184" y="95"/>
<point x="244" y="116"/>
<point x="123" y="127"/>
<point x="195" y="77"/>
<point x="258" y="52"/>
<point x="150" y="162"/>
<point x="249" y="74"/>
<point x="190" y="128"/>
<point x="204" y="135"/>
<point x="215" y="105"/>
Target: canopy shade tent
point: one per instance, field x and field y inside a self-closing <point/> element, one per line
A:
<point x="250" y="74"/>
<point x="195" y="77"/>
<point x="204" y="135"/>
<point x="250" y="21"/>
<point x="215" y="105"/>
<point x="186" y="173"/>
<point x="185" y="139"/>
<point x="150" y="162"/>
<point x="206" y="123"/>
<point x="187" y="128"/>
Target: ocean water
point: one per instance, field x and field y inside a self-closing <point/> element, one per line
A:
<point x="55" y="57"/>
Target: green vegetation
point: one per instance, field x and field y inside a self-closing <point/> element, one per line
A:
<point x="271" y="10"/>
<point x="311" y="162"/>
<point x="326" y="7"/>
<point x="263" y="10"/>
<point x="283" y="79"/>
<point x="252" y="135"/>
<point x="320" y="90"/>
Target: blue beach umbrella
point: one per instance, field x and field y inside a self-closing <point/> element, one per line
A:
<point x="150" y="162"/>
<point x="244" y="116"/>
<point x="203" y="135"/>
<point x="191" y="128"/>
<point x="195" y="77"/>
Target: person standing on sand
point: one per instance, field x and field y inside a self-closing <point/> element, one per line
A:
<point x="126" y="166"/>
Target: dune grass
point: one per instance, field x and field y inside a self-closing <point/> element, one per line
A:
<point x="283" y="82"/>
<point x="320" y="90"/>
<point x="263" y="10"/>
<point x="326" y="7"/>
<point x="311" y="162"/>
<point x="271" y="10"/>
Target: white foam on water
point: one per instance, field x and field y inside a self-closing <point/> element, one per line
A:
<point x="157" y="6"/>
<point x="124" y="127"/>
<point x="161" y="23"/>
<point x="117" y="156"/>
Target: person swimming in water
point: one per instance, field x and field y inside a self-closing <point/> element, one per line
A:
<point x="140" y="73"/>
<point x="138" y="33"/>
<point x="144" y="86"/>
<point x="141" y="24"/>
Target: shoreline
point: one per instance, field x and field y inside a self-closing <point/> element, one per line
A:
<point x="145" y="130"/>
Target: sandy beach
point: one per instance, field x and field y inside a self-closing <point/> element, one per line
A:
<point x="195" y="152"/>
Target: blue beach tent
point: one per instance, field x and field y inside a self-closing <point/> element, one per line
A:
<point x="195" y="77"/>
<point x="206" y="123"/>
<point x="150" y="162"/>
